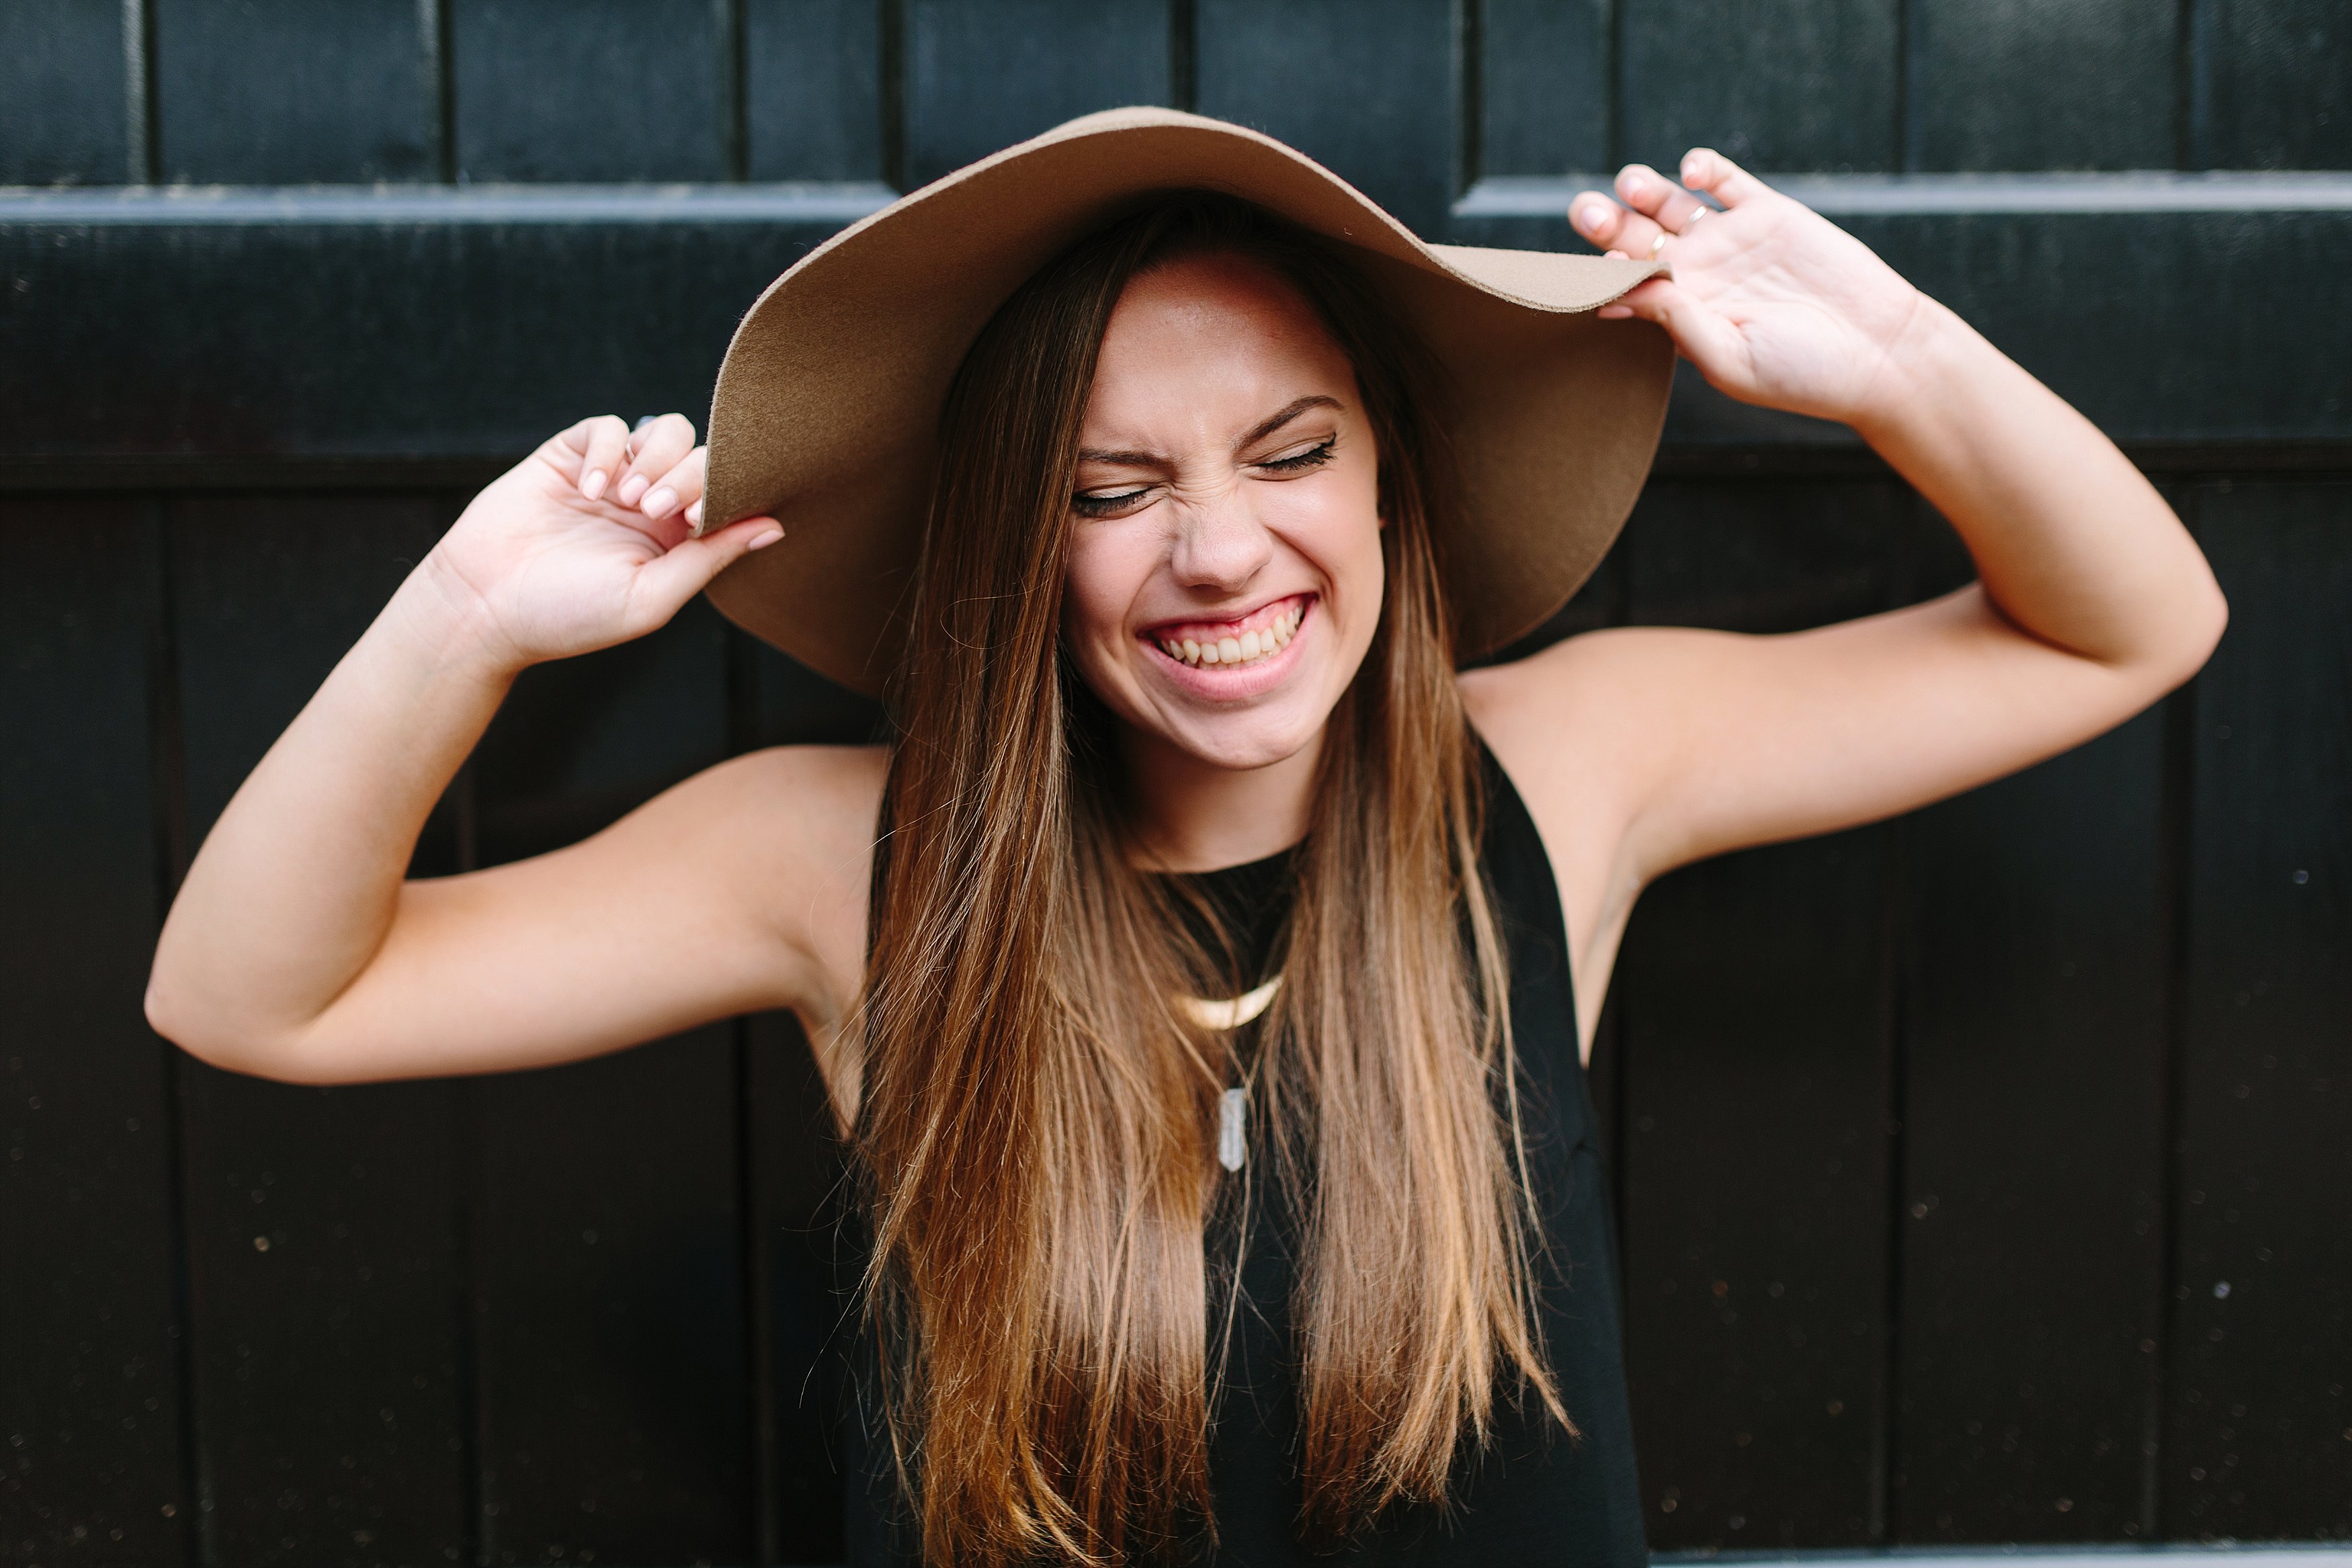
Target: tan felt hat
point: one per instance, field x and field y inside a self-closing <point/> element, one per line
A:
<point x="828" y="405"/>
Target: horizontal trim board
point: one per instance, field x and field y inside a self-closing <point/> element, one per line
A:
<point x="335" y="325"/>
<point x="2189" y="327"/>
<point x="1497" y="196"/>
<point x="2220" y="1555"/>
<point x="469" y="471"/>
<point x="368" y="205"/>
<point x="1843" y="196"/>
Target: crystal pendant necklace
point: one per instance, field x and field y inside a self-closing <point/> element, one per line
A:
<point x="1233" y="1107"/>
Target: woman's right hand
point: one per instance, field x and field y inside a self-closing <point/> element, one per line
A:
<point x="585" y="543"/>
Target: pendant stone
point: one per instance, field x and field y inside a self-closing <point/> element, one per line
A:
<point x="1233" y="1129"/>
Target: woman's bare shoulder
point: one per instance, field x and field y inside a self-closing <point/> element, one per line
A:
<point x="809" y="812"/>
<point x="786" y="834"/>
<point x="790" y="790"/>
<point x="1567" y="724"/>
<point x="1589" y="728"/>
<point x="1581" y="700"/>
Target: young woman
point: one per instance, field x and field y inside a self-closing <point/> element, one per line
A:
<point x="1204" y="976"/>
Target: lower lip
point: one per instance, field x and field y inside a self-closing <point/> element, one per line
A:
<point x="1239" y="681"/>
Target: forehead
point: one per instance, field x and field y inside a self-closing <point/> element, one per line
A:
<point x="1217" y="327"/>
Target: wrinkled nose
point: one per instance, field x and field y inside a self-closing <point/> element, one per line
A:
<point x="1219" y="543"/>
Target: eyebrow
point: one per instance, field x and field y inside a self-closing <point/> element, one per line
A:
<point x="1268" y="426"/>
<point x="1255" y="433"/>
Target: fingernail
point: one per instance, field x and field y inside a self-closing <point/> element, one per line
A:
<point x="694" y="514"/>
<point x="593" y="483"/>
<point x="1589" y="215"/>
<point x="1690" y="170"/>
<point x="764" y="539"/>
<point x="631" y="488"/>
<point x="659" y="504"/>
<point x="1631" y="183"/>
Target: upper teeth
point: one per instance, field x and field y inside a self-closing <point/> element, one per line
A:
<point x="1238" y="649"/>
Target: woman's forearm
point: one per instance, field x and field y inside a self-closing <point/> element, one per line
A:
<point x="298" y="881"/>
<point x="1780" y="308"/>
<point x="2072" y="543"/>
<point x="294" y="907"/>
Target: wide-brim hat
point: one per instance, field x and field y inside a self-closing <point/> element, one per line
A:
<point x="827" y="410"/>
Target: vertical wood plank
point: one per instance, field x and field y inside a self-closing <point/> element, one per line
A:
<point x="2015" y="83"/>
<point x="2271" y="84"/>
<point x="799" y="1176"/>
<point x="289" y="92"/>
<point x="326" y="1307"/>
<point x="1754" y="1046"/>
<point x="2260" y="1376"/>
<point x="62" y="119"/>
<point x="1543" y="80"/>
<point x="2034" y="1029"/>
<point x="1752" y="1040"/>
<point x="983" y="74"/>
<point x="1780" y="89"/>
<point x="93" y="1465"/>
<point x="613" y="1384"/>
<point x="1601" y="602"/>
<point x="812" y="89"/>
<point x="590" y="89"/>
<point x="785" y="703"/>
<point x="1370" y="88"/>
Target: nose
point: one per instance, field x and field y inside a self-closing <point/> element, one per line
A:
<point x="1220" y="544"/>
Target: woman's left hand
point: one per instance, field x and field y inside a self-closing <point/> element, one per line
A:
<point x="1776" y="305"/>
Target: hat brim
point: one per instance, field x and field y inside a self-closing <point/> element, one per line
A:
<point x="827" y="409"/>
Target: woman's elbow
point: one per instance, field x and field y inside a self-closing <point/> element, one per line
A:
<point x="2197" y="633"/>
<point x="231" y="1044"/>
<point x="2176" y="627"/>
<point x="188" y="1024"/>
<point x="172" y="1015"/>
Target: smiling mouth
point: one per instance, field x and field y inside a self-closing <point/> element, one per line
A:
<point x="1217" y="645"/>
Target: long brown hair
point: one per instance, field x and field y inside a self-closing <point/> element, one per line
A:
<point x="1036" y="1115"/>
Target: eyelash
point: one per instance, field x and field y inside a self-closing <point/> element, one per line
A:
<point x="1314" y="456"/>
<point x="1106" y="505"/>
<point x="1102" y="506"/>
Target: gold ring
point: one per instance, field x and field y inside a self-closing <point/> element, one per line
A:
<point x="1659" y="244"/>
<point x="1691" y="221"/>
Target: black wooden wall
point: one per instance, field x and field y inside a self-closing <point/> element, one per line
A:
<point x="1982" y="1176"/>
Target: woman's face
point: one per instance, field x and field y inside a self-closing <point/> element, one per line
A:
<point x="1224" y="571"/>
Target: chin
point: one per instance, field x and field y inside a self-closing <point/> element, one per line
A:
<point x="1241" y="744"/>
<point x="1273" y="728"/>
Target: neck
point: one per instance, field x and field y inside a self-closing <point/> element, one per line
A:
<point x="1193" y="815"/>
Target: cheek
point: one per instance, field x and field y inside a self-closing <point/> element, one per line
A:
<point x="1339" y="526"/>
<point x="1099" y="585"/>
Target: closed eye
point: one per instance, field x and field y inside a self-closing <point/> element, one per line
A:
<point x="1108" y="505"/>
<point x="1314" y="456"/>
<point x="1112" y="503"/>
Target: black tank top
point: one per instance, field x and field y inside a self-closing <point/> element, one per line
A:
<point x="1532" y="1494"/>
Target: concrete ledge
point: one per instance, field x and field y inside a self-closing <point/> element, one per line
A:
<point x="505" y="206"/>
<point x="2233" y="1555"/>
<point x="1843" y="196"/>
